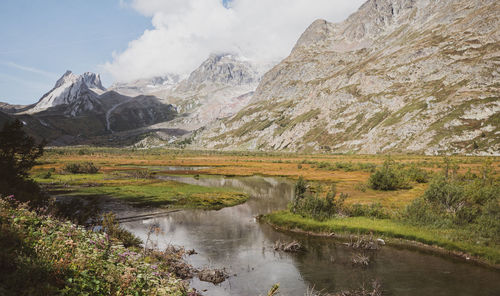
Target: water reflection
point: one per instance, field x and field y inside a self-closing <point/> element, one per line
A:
<point x="232" y="238"/>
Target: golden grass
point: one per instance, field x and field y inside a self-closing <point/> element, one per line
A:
<point x="286" y="165"/>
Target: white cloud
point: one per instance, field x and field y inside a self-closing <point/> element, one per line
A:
<point x="187" y="31"/>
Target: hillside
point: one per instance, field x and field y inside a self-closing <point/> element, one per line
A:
<point x="410" y="76"/>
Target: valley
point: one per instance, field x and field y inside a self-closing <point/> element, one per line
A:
<point x="364" y="161"/>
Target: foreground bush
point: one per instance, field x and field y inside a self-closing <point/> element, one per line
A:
<point x="18" y="154"/>
<point x="81" y="168"/>
<point x="466" y="201"/>
<point x="44" y="256"/>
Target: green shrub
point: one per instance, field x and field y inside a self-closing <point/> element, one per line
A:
<point x="81" y="168"/>
<point x="18" y="154"/>
<point x="114" y="230"/>
<point x="308" y="203"/>
<point x="466" y="201"/>
<point x="389" y="177"/>
<point x="374" y="210"/>
<point x="417" y="174"/>
<point x="45" y="256"/>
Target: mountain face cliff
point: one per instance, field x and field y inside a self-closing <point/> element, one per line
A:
<point x="396" y="76"/>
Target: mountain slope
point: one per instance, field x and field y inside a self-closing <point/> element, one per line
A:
<point x="396" y="76"/>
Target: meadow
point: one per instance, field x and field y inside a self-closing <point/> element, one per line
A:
<point x="350" y="173"/>
<point x="132" y="175"/>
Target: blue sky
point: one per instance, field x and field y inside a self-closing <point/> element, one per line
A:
<point x="41" y="39"/>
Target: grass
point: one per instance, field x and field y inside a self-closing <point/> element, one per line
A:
<point x="248" y="163"/>
<point x="144" y="192"/>
<point x="450" y="239"/>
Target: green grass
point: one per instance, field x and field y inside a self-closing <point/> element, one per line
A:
<point x="450" y="239"/>
<point x="145" y="192"/>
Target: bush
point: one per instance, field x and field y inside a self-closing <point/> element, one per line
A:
<point x="416" y="174"/>
<point x="374" y="210"/>
<point x="114" y="230"/>
<point x="465" y="201"/>
<point x="389" y="177"/>
<point x="81" y="168"/>
<point x="44" y="256"/>
<point x="18" y="154"/>
<point x="308" y="203"/>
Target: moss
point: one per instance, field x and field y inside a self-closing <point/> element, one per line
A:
<point x="373" y="121"/>
<point x="397" y="116"/>
<point x="287" y="124"/>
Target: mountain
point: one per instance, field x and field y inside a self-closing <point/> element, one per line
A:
<point x="409" y="76"/>
<point x="79" y="110"/>
<point x="221" y="86"/>
<point x="9" y="108"/>
<point x="220" y="70"/>
<point x="78" y="92"/>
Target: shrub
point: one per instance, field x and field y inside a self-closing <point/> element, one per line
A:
<point x="114" y="230"/>
<point x="44" y="256"/>
<point x="417" y="174"/>
<point x="18" y="154"/>
<point x="389" y="177"/>
<point x="81" y="168"/>
<point x="374" y="210"/>
<point x="460" y="201"/>
<point x="308" y="203"/>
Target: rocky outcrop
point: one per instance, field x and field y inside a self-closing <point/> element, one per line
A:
<point x="416" y="76"/>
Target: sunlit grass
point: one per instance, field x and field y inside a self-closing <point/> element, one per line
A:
<point x="260" y="163"/>
<point x="450" y="239"/>
<point x="150" y="192"/>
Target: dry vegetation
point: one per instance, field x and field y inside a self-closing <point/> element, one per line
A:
<point x="290" y="165"/>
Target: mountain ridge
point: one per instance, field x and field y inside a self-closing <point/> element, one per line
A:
<point x="396" y="76"/>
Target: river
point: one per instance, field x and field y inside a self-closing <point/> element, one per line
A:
<point x="232" y="238"/>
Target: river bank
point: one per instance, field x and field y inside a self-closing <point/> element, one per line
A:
<point x="394" y="234"/>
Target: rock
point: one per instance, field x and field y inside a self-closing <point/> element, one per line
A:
<point x="214" y="276"/>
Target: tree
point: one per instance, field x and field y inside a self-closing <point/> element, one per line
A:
<point x="18" y="154"/>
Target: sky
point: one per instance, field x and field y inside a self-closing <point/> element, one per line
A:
<point x="124" y="40"/>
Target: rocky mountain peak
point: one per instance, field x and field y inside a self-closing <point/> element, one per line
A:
<point x="67" y="77"/>
<point x="221" y="69"/>
<point x="70" y="89"/>
<point x="317" y="31"/>
<point x="92" y="80"/>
